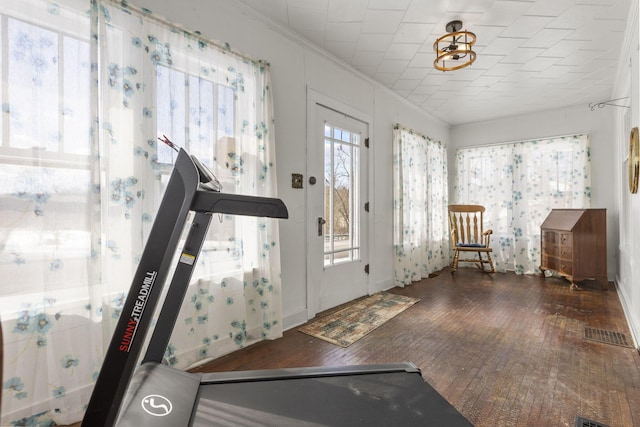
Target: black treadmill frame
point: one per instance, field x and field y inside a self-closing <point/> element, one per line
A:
<point x="183" y="194"/>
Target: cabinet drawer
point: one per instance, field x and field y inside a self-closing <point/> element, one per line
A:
<point x="565" y="252"/>
<point x="566" y="239"/>
<point x="550" y="238"/>
<point x="550" y="262"/>
<point x="566" y="267"/>
<point x="551" y="250"/>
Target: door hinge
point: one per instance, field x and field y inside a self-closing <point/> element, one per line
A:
<point x="366" y="142"/>
<point x="366" y="207"/>
<point x="366" y="268"/>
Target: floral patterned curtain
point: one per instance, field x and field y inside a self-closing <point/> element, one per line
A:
<point x="420" y="228"/>
<point x="519" y="184"/>
<point x="88" y="86"/>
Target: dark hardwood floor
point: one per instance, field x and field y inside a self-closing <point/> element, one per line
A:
<point x="505" y="350"/>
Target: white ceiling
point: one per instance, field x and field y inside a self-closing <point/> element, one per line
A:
<point x="533" y="55"/>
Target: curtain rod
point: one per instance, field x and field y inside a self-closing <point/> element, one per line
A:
<point x="126" y="7"/>
<point x="415" y="132"/>
<point x="493" y="144"/>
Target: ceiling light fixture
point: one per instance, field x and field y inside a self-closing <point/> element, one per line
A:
<point x="454" y="49"/>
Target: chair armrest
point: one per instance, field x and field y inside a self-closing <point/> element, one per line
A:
<point x="487" y="237"/>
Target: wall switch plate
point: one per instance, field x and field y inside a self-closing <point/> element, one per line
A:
<point x="296" y="180"/>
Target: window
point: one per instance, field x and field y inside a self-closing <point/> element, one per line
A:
<point x="341" y="195"/>
<point x="519" y="184"/>
<point x="45" y="150"/>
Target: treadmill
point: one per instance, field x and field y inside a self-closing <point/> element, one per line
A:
<point x="154" y="394"/>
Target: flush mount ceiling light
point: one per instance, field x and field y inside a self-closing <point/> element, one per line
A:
<point x="454" y="49"/>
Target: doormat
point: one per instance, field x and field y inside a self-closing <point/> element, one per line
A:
<point x="348" y="325"/>
<point x="607" y="337"/>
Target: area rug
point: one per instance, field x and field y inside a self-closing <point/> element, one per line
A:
<point x="348" y="325"/>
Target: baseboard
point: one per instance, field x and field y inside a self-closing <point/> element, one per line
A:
<point x="291" y="321"/>
<point x="632" y="321"/>
<point x="384" y="285"/>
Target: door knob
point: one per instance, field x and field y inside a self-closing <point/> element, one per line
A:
<point x="321" y="222"/>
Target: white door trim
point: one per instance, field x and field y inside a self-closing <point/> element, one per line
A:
<point x="316" y="98"/>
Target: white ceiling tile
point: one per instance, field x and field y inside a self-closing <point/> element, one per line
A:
<point x="392" y="66"/>
<point x="549" y="7"/>
<point x="437" y="78"/>
<point x="522" y="55"/>
<point x="486" y="33"/>
<point x="367" y="58"/>
<point x="580" y="57"/>
<point x="382" y="21"/>
<point x="415" y="73"/>
<point x="422" y="60"/>
<point x="547" y="37"/>
<point x="406" y="84"/>
<point x="468" y="74"/>
<point x="556" y="71"/>
<point x="501" y="46"/>
<point x="526" y="26"/>
<point x="412" y="33"/>
<point x="532" y="54"/>
<point x="485" y="62"/>
<point x="503" y="12"/>
<point x="502" y="69"/>
<point x="427" y="12"/>
<point x="577" y="15"/>
<point x="389" y="4"/>
<point x="474" y="6"/>
<point x="402" y="51"/>
<point x="539" y="64"/>
<point x="346" y="11"/>
<point x="342" y="31"/>
<point x="485" y="81"/>
<point x="564" y="48"/>
<point x="374" y="42"/>
<point x="425" y="89"/>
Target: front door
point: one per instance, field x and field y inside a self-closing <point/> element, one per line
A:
<point x="337" y="219"/>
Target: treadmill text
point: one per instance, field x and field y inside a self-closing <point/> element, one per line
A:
<point x="137" y="311"/>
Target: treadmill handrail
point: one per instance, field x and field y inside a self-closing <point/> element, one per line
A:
<point x="238" y="204"/>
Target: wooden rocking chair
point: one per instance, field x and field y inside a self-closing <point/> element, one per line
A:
<point x="468" y="235"/>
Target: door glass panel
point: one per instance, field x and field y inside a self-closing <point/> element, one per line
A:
<point x="341" y="195"/>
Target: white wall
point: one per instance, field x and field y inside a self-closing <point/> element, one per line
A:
<point x="579" y="119"/>
<point x="628" y="85"/>
<point x="296" y="66"/>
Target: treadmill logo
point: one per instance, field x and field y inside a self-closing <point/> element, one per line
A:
<point x="156" y="405"/>
<point x="137" y="311"/>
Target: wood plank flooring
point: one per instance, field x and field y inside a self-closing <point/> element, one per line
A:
<point x="505" y="350"/>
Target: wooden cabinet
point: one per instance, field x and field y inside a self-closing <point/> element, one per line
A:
<point x="573" y="243"/>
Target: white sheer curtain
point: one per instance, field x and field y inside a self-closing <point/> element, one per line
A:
<point x="421" y="242"/>
<point x="88" y="88"/>
<point x="519" y="183"/>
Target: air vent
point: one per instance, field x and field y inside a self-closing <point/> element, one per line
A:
<point x="583" y="422"/>
<point x="607" y="337"/>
